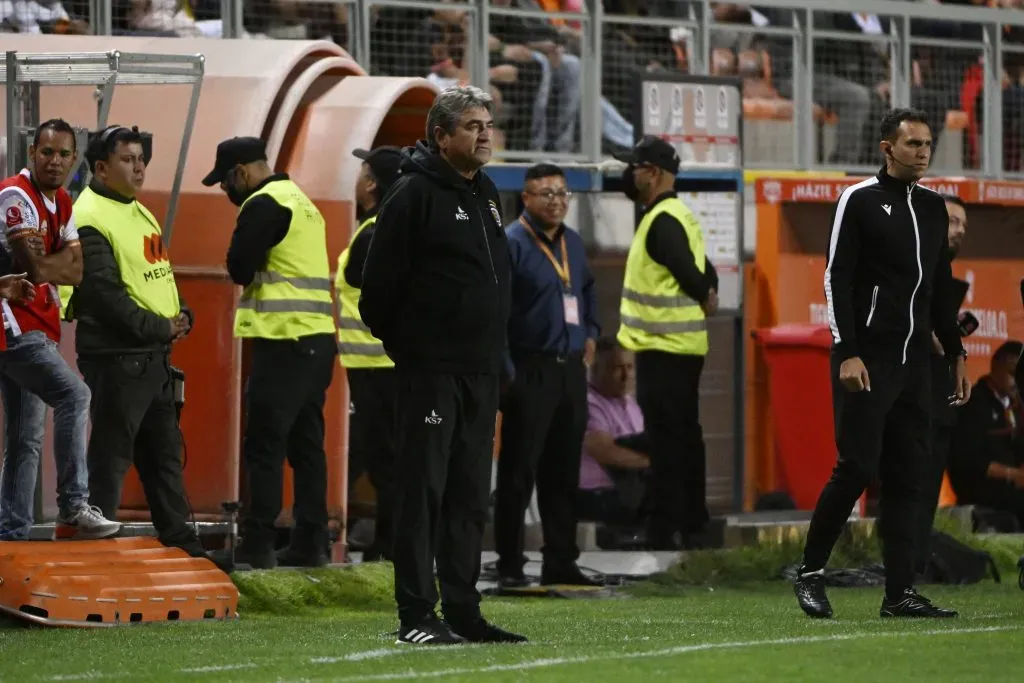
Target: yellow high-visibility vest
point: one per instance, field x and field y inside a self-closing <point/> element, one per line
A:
<point x="655" y="314"/>
<point x="292" y="297"/>
<point x="357" y="348"/>
<point x="135" y="238"/>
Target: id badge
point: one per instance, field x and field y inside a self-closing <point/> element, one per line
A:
<point x="572" y="309"/>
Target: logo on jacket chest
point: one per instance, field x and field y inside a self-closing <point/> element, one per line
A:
<point x="494" y="212"/>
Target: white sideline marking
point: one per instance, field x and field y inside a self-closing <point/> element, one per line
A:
<point x="672" y="651"/>
<point x="216" y="667"/>
<point x="358" y="656"/>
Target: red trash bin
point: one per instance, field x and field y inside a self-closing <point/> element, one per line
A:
<point x="800" y="397"/>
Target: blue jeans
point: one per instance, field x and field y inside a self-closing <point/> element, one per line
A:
<point x="565" y="82"/>
<point x="33" y="375"/>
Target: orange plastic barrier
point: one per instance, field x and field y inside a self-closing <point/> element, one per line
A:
<point x="785" y="283"/>
<point x="111" y="582"/>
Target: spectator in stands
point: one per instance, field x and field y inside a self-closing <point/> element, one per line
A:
<point x="535" y="39"/>
<point x="447" y="50"/>
<point x="162" y="18"/>
<point x="629" y="48"/>
<point x="844" y="72"/>
<point x="986" y="464"/>
<point x="35" y="16"/>
<point x="514" y="73"/>
<point x="612" y="483"/>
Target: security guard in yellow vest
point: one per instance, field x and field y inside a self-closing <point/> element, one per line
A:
<point x="278" y="254"/>
<point x="670" y="288"/>
<point x="129" y="314"/>
<point x="371" y="377"/>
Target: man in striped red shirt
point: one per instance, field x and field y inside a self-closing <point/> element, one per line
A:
<point x="38" y="237"/>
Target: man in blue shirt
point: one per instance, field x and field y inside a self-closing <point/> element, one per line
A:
<point x="552" y="333"/>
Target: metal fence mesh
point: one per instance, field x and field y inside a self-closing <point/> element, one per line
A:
<point x="537" y="72"/>
<point x="535" y="64"/>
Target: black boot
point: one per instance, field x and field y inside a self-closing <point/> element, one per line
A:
<point x="910" y="603"/>
<point x="480" y="631"/>
<point x="307" y="548"/>
<point x="810" y="593"/>
<point x="255" y="551"/>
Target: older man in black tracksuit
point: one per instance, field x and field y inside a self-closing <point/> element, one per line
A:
<point x="436" y="293"/>
<point x="887" y="283"/>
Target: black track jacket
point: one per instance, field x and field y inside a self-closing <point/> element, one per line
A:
<point x="888" y="279"/>
<point x="436" y="288"/>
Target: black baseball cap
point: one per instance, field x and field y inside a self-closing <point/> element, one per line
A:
<point x="231" y="153"/>
<point x="384" y="162"/>
<point x="654" y="151"/>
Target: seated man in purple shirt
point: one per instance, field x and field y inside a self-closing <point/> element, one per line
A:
<point x="611" y="487"/>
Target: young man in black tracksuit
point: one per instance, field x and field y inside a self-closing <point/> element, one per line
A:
<point x="887" y="284"/>
<point x="944" y="415"/>
<point x="436" y="293"/>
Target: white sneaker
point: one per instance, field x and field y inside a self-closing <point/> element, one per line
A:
<point x="85" y="524"/>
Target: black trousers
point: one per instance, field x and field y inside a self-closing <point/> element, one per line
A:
<point x="931" y="488"/>
<point x="667" y="389"/>
<point x="284" y="418"/>
<point x="371" y="445"/>
<point x="134" y="421"/>
<point x="544" y="415"/>
<point x="444" y="441"/>
<point x="896" y="413"/>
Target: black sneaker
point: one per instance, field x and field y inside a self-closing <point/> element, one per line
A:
<point x="566" y="576"/>
<point x="913" y="604"/>
<point x="810" y="593"/>
<point x="480" y="631"/>
<point x="430" y="631"/>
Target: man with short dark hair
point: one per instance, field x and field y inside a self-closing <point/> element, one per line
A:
<point x="887" y="285"/>
<point x="39" y="237"/>
<point x="129" y="315"/>
<point x="278" y="254"/>
<point x="943" y="413"/>
<point x="436" y="293"/>
<point x="551" y="335"/>
<point x="370" y="373"/>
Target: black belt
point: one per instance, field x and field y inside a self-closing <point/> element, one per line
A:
<point x="546" y="357"/>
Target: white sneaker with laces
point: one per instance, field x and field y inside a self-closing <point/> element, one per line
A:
<point x="87" y="523"/>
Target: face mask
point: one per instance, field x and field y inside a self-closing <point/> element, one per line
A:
<point x="237" y="196"/>
<point x="629" y="183"/>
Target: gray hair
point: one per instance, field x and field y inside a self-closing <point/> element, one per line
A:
<point x="449" y="107"/>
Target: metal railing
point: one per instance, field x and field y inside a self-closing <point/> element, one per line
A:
<point x="815" y="79"/>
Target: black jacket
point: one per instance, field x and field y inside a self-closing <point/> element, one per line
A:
<point x="260" y="226"/>
<point x="888" y="278"/>
<point x="109" y="320"/>
<point x="436" y="288"/>
<point x="983" y="435"/>
<point x="668" y="245"/>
